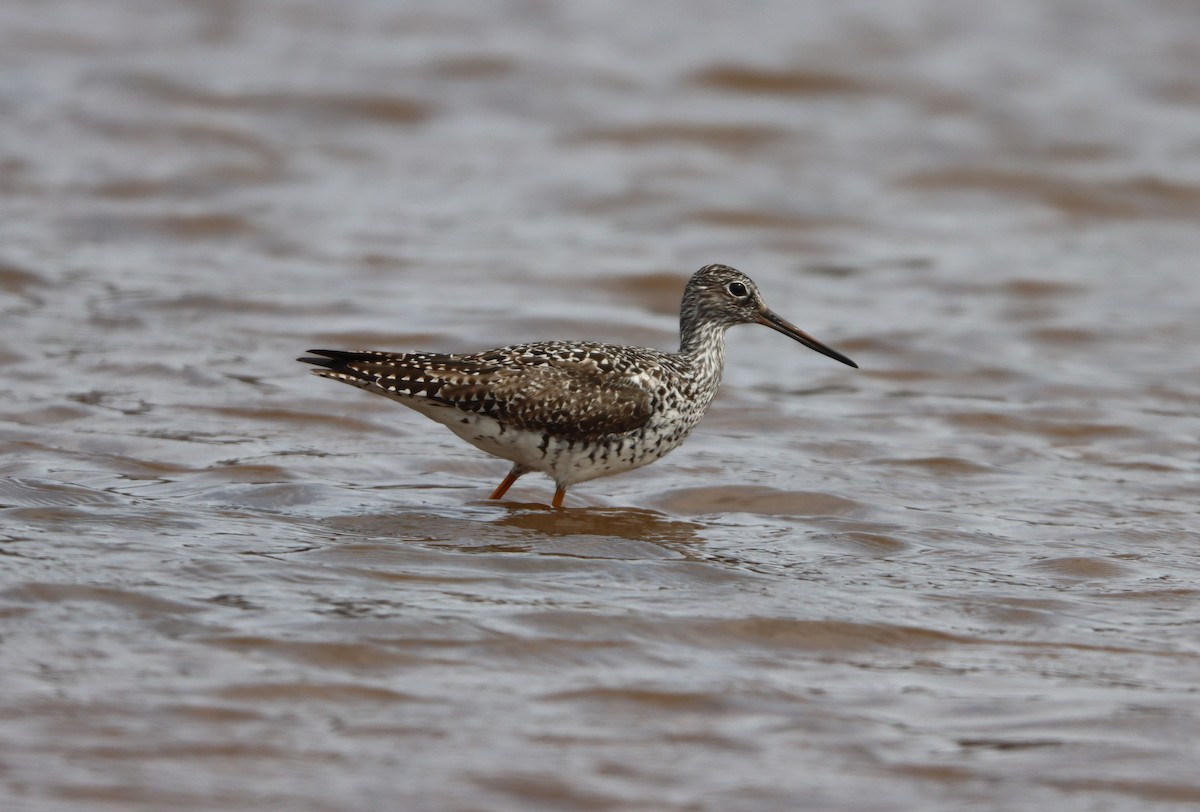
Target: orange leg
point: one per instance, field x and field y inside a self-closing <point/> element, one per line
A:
<point x="559" y="493"/>
<point x="507" y="483"/>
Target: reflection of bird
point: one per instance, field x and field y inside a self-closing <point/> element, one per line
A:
<point x="575" y="410"/>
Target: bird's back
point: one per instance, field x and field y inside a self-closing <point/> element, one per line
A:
<point x="575" y="391"/>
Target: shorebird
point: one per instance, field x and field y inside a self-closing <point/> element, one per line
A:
<point x="574" y="410"/>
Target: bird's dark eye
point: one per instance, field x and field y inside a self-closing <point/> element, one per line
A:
<point x="736" y="289"/>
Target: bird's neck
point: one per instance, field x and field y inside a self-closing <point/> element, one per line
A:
<point x="702" y="347"/>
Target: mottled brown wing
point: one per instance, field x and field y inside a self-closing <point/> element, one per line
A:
<point x="572" y="398"/>
<point x="564" y="399"/>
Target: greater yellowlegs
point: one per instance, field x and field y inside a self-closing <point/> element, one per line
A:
<point x="574" y="410"/>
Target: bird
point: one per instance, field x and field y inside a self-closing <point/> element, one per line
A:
<point x="574" y="410"/>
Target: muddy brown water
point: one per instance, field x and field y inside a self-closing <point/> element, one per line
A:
<point x="964" y="576"/>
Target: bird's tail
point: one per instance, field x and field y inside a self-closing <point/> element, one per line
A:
<point x="341" y="360"/>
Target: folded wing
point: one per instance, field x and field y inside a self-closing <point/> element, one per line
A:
<point x="564" y="397"/>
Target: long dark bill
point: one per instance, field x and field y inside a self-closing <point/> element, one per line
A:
<point x="769" y="319"/>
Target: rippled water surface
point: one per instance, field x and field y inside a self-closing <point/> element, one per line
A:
<point x="964" y="576"/>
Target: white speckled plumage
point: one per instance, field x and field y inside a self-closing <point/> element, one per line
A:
<point x="574" y="410"/>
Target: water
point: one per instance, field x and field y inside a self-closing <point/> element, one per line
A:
<point x="962" y="576"/>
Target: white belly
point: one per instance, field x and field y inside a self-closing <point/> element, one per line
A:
<point x="566" y="462"/>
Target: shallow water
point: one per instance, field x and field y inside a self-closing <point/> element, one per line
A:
<point x="962" y="576"/>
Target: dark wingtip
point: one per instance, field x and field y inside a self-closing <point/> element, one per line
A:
<point x="330" y="360"/>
